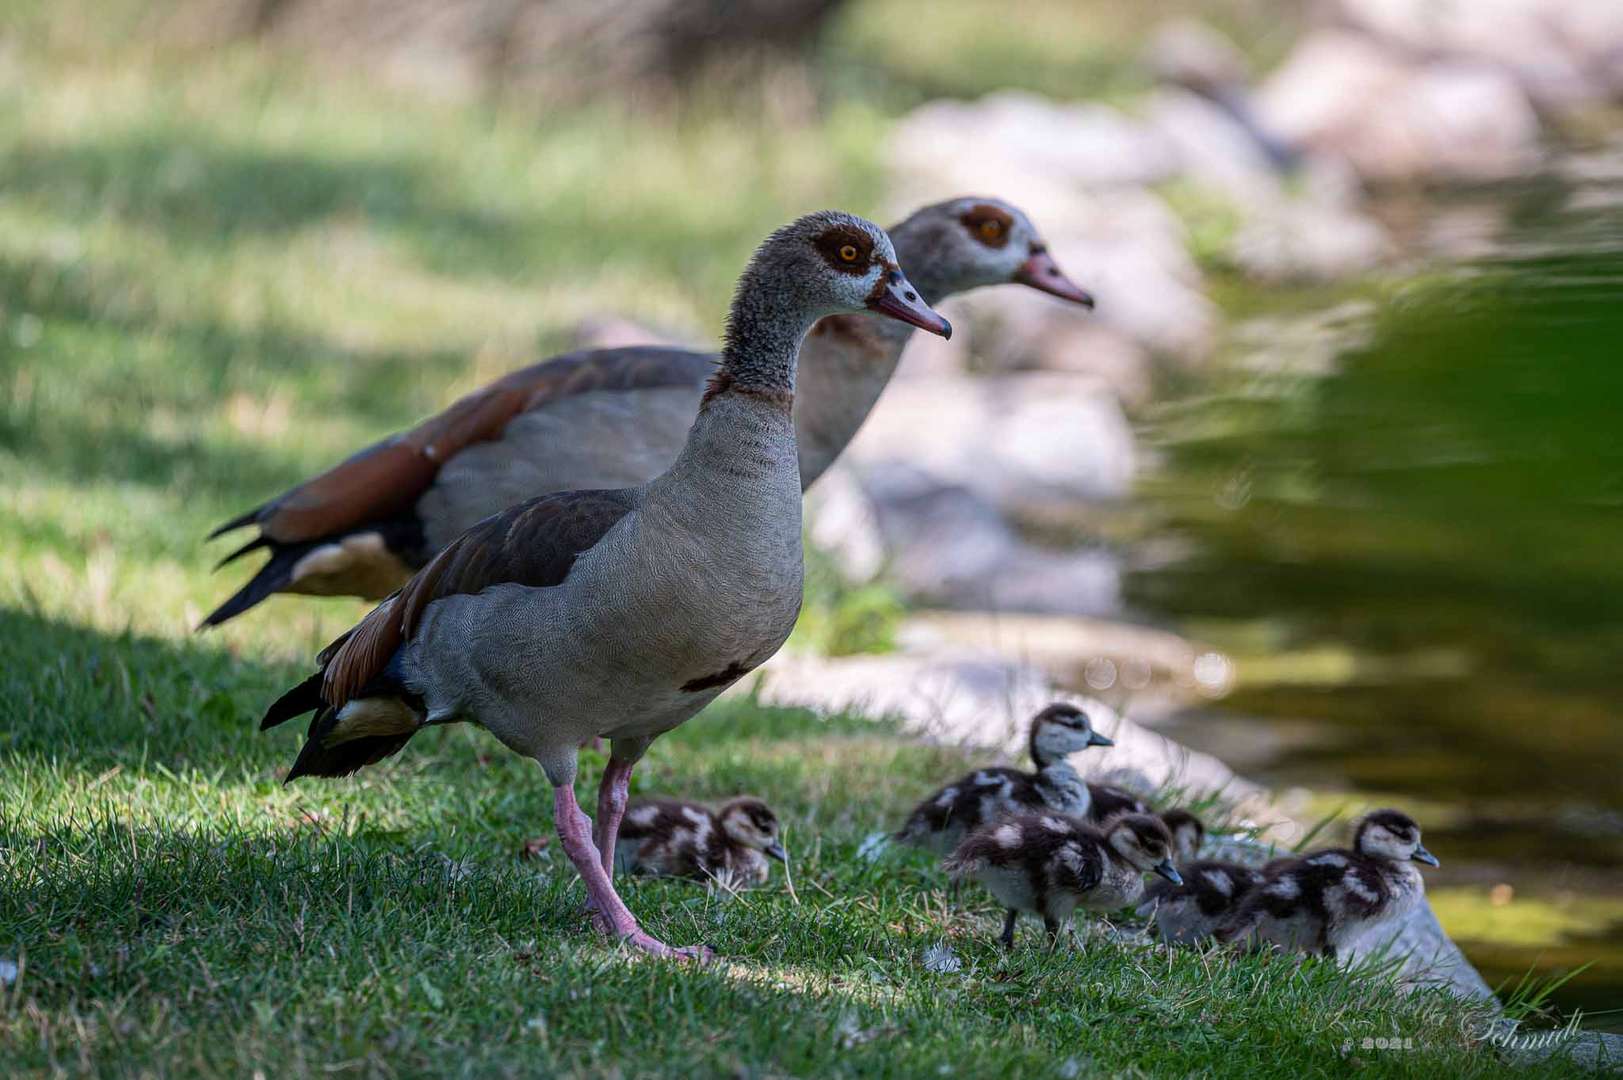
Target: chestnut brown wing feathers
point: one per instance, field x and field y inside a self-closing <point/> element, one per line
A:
<point x="534" y="543"/>
<point x="388" y="478"/>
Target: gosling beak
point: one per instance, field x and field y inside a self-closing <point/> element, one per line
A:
<point x="1422" y="855"/>
<point x="775" y="850"/>
<point x="1096" y="739"/>
<point x="896" y="298"/>
<point x="1042" y="273"/>
<point x="1168" y="871"/>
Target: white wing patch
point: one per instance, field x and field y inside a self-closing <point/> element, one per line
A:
<point x="1285" y="888"/>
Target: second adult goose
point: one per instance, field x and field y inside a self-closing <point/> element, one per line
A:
<point x="616" y="613"/>
<point x="606" y="418"/>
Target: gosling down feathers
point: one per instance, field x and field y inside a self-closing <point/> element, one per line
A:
<point x="1051" y="864"/>
<point x="1320" y="902"/>
<point x="1192" y="910"/>
<point x="942" y="820"/>
<point x="676" y="838"/>
<point x="617" y="613"/>
<point x="607" y="418"/>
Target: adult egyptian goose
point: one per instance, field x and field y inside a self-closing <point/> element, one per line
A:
<point x="1051" y="864"/>
<point x="942" y="820"/>
<point x="678" y="838"/>
<point x="1321" y="901"/>
<point x="616" y="613"/>
<point x="602" y="419"/>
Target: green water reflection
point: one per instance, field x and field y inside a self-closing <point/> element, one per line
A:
<point x="1437" y="524"/>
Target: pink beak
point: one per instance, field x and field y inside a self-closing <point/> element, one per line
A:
<point x="1042" y="273"/>
<point x="895" y="297"/>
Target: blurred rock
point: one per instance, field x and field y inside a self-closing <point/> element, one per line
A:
<point x="842" y="522"/>
<point x="1563" y="54"/>
<point x="1079" y="172"/>
<point x="1014" y="145"/>
<point x="1305" y="241"/>
<point x="1096" y="351"/>
<point x="947" y="546"/>
<point x="1189" y="53"/>
<point x="1013" y="440"/>
<point x="1397" y="120"/>
<point x="942" y="544"/>
<point x="929" y="356"/>
<point x="1213" y="148"/>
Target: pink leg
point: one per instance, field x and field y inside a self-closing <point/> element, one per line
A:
<point x="610" y="912"/>
<point x="612" y="792"/>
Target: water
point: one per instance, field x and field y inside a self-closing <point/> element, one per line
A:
<point x="1412" y="548"/>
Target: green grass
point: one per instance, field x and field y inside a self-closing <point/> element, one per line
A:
<point x="220" y="275"/>
<point x="176" y="911"/>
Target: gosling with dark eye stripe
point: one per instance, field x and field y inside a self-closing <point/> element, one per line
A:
<point x="1052" y="864"/>
<point x="942" y="820"/>
<point x="1319" y="903"/>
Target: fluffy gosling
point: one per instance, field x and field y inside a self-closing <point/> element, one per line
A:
<point x="1320" y="902"/>
<point x="676" y="838"/>
<point x="950" y="813"/>
<point x="1050" y="864"/>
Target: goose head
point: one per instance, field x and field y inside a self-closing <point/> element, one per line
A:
<point x="1060" y="730"/>
<point x="1187" y="833"/>
<point x="750" y="823"/>
<point x="1143" y="843"/>
<point x="969" y="242"/>
<point x="828" y="263"/>
<point x="1390" y="834"/>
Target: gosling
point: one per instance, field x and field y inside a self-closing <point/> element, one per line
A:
<point x="1188" y="833"/>
<point x="942" y="821"/>
<point x="676" y="838"/>
<point x="1051" y="864"/>
<point x="1322" y="901"/>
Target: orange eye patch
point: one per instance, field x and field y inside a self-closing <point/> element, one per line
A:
<point x="846" y="249"/>
<point x="988" y="224"/>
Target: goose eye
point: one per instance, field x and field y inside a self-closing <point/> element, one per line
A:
<point x="848" y="252"/>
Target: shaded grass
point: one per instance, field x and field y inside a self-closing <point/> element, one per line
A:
<point x="175" y="910"/>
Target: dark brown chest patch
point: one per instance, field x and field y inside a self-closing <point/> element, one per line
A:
<point x="731" y="673"/>
<point x="723" y="382"/>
